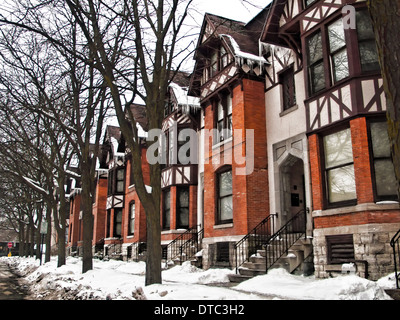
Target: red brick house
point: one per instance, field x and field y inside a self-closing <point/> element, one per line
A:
<point x="228" y="79"/>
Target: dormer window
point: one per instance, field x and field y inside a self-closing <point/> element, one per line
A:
<point x="218" y="59"/>
<point x="116" y="181"/>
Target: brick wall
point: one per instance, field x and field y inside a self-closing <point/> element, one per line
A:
<point x="73" y="236"/>
<point x="250" y="193"/>
<point x="362" y="168"/>
<point x="99" y="211"/>
<point x="316" y="172"/>
<point x="372" y="225"/>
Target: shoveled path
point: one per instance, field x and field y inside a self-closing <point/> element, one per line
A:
<point x="11" y="286"/>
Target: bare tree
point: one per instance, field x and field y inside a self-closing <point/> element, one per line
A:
<point x="68" y="96"/>
<point x="134" y="46"/>
<point x="143" y="35"/>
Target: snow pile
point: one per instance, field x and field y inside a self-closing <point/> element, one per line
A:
<point x="118" y="280"/>
<point x="190" y="274"/>
<point x="287" y="286"/>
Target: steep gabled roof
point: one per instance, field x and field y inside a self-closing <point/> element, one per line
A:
<point x="140" y="115"/>
<point x="270" y="32"/>
<point x="214" y="26"/>
<point x="240" y="39"/>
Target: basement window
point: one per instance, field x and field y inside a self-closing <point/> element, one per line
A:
<point x="340" y="248"/>
<point x="223" y="252"/>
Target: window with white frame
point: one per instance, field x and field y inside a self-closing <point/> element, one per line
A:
<point x="132" y="216"/>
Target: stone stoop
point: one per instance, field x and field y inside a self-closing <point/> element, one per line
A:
<point x="291" y="262"/>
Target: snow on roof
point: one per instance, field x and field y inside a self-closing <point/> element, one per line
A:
<point x="241" y="55"/>
<point x="182" y="97"/>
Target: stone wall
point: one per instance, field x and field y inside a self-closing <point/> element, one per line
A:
<point x="371" y="244"/>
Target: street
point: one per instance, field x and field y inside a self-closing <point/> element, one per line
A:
<point x="11" y="287"/>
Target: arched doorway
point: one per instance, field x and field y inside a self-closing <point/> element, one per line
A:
<point x="292" y="188"/>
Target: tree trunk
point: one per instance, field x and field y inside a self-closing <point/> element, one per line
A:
<point x="61" y="247"/>
<point x="87" y="219"/>
<point x="154" y="254"/>
<point x="48" y="235"/>
<point x="21" y="239"/>
<point x="385" y="16"/>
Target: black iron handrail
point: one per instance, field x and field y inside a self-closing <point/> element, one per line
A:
<point x="191" y="246"/>
<point x="253" y="241"/>
<point x="282" y="240"/>
<point x="395" y="244"/>
<point x="175" y="248"/>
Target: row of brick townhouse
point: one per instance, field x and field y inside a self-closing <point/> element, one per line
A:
<point x="289" y="115"/>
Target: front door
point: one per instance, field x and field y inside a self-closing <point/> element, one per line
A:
<point x="292" y="191"/>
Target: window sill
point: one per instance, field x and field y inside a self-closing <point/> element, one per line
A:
<point x="223" y="226"/>
<point x="176" y="231"/>
<point x="290" y="110"/>
<point x="383" y="205"/>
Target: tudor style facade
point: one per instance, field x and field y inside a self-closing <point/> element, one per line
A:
<point x="179" y="174"/>
<point x="354" y="211"/>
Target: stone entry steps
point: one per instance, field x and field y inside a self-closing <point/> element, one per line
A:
<point x="292" y="261"/>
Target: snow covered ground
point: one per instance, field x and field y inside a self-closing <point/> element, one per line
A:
<point x="118" y="280"/>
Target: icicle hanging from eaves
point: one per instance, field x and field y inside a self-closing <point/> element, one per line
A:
<point x="248" y="62"/>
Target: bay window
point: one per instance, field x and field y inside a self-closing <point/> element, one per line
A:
<point x="316" y="70"/>
<point x="338" y="51"/>
<point x="383" y="169"/>
<point x="326" y="52"/>
<point x="366" y="42"/>
<point x="339" y="168"/>
<point x="182" y="207"/>
<point x="117" y="222"/>
<point x="166" y="209"/>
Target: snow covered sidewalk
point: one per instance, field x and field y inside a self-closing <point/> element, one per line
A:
<point x="118" y="280"/>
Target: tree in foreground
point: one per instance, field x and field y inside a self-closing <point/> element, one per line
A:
<point x="385" y="16"/>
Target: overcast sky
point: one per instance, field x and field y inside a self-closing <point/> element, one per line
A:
<point x="232" y="9"/>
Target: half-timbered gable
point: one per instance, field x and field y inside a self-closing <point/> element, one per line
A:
<point x="179" y="168"/>
<point x="344" y="112"/>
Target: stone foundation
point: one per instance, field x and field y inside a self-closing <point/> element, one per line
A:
<point x="371" y="244"/>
